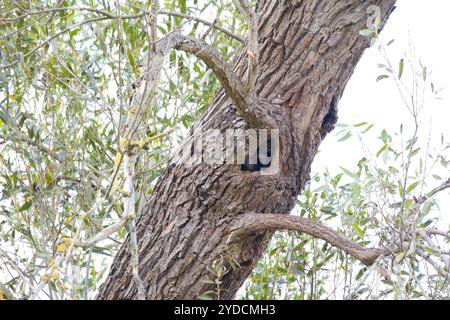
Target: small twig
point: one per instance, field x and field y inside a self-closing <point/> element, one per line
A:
<point x="102" y="235"/>
<point x="88" y="269"/>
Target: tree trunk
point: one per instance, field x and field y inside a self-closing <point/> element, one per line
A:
<point x="307" y="53"/>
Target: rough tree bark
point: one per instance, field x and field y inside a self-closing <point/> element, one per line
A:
<point x="202" y="214"/>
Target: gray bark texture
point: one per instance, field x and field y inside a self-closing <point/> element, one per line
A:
<point x="307" y="53"/>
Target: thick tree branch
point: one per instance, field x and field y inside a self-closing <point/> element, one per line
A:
<point x="252" y="222"/>
<point x="231" y="83"/>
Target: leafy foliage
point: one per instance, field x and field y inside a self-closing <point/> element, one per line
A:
<point x="66" y="76"/>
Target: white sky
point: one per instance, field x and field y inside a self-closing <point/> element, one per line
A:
<point x="425" y="23"/>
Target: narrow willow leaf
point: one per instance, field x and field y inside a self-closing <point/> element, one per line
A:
<point x="401" y="65"/>
<point x="412" y="187"/>
<point x="25" y="206"/>
<point x="366" y="32"/>
<point x="347" y="136"/>
<point x="381" y="77"/>
<point x="349" y="173"/>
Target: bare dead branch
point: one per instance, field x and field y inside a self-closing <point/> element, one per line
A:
<point x="102" y="235"/>
<point x="249" y="223"/>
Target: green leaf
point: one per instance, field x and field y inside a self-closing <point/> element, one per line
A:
<point x="358" y="230"/>
<point x="206" y="296"/>
<point x="347" y="136"/>
<point x="401" y="65"/>
<point x="382" y="149"/>
<point x="368" y="128"/>
<point x="349" y="173"/>
<point x="25" y="206"/>
<point x="182" y="6"/>
<point x="426" y="224"/>
<point x="427" y="207"/>
<point x="383" y="76"/>
<point x="328" y="210"/>
<point x="412" y="186"/>
<point x="376" y="23"/>
<point x="361" y="273"/>
<point x="435" y="176"/>
<point x="424" y="74"/>
<point x="366" y="32"/>
<point x="131" y="58"/>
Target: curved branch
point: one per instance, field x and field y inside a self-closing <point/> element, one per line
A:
<point x="249" y="223"/>
<point x="231" y="83"/>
